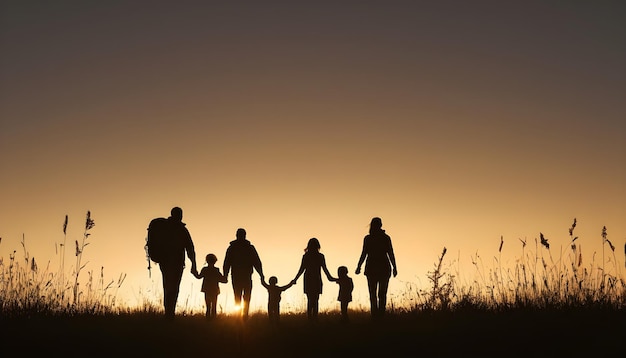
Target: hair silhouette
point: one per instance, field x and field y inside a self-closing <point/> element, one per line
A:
<point x="313" y="245"/>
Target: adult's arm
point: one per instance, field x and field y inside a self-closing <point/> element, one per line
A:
<point x="392" y="258"/>
<point x="197" y="274"/>
<point x="264" y="284"/>
<point x="325" y="268"/>
<point x="227" y="264"/>
<point x="191" y="251"/>
<point x="300" y="270"/>
<point x="363" y="255"/>
<point x="258" y="265"/>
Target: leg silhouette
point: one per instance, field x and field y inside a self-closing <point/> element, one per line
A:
<point x="372" y="285"/>
<point x="382" y="296"/>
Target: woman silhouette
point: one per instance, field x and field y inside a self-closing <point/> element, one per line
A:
<point x="378" y="251"/>
<point x="313" y="262"/>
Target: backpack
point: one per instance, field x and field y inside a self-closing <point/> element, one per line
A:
<point x="158" y="240"/>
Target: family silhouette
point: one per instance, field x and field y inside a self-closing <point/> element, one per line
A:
<point x="242" y="259"/>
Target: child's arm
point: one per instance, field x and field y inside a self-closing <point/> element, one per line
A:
<point x="196" y="274"/>
<point x="265" y="284"/>
<point x="284" y="288"/>
<point x="221" y="278"/>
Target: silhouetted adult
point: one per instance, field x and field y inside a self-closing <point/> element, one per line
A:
<point x="313" y="262"/>
<point x="241" y="260"/>
<point x="379" y="260"/>
<point x="173" y="265"/>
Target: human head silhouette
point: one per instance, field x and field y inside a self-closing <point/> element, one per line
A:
<point x="177" y="213"/>
<point x="241" y="234"/>
<point x="273" y="280"/>
<point x="313" y="245"/>
<point x="211" y="259"/>
<point x="376" y="225"/>
<point x="342" y="271"/>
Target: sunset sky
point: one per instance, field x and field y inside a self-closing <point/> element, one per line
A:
<point x="456" y="122"/>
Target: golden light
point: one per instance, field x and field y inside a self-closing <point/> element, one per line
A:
<point x="236" y="309"/>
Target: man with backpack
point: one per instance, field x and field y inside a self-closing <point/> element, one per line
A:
<point x="242" y="257"/>
<point x="168" y="242"/>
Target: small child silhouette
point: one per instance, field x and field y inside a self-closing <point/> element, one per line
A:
<point x="211" y="276"/>
<point x="274" y="292"/>
<point x="345" y="291"/>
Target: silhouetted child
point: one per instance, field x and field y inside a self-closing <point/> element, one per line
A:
<point x="345" y="291"/>
<point x="211" y="276"/>
<point x="273" y="302"/>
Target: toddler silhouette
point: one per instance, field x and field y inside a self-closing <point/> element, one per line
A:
<point x="274" y="292"/>
<point x="345" y="290"/>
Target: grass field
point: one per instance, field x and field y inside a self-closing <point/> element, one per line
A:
<point x="539" y="307"/>
<point x="548" y="333"/>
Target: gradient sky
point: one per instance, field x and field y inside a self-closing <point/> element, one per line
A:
<point x="457" y="123"/>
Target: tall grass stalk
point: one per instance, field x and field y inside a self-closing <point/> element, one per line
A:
<point x="89" y="224"/>
<point x="61" y="275"/>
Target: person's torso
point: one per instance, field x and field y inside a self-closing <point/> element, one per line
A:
<point x="242" y="258"/>
<point x="313" y="262"/>
<point x="274" y="293"/>
<point x="211" y="278"/>
<point x="177" y="243"/>
<point x="377" y="248"/>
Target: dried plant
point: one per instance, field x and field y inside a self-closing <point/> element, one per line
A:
<point x="89" y="224"/>
<point x="440" y="294"/>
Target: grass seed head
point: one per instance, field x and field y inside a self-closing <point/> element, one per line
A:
<point x="65" y="226"/>
<point x="544" y="241"/>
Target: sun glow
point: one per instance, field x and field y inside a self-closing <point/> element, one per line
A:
<point x="235" y="309"/>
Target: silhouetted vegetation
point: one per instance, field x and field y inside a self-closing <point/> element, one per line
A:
<point x="550" y="304"/>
